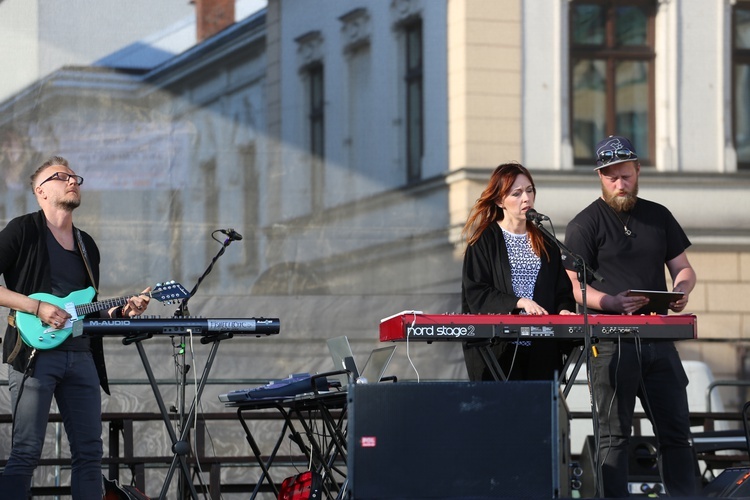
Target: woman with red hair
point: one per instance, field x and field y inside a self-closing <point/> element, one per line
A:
<point x="511" y="268"/>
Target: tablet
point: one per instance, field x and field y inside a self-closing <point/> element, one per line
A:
<point x="657" y="300"/>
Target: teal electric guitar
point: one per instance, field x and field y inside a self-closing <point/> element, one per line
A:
<point x="78" y="304"/>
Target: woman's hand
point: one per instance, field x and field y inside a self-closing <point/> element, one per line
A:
<point x="530" y="307"/>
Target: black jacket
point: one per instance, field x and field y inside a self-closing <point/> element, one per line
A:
<point x="487" y="287"/>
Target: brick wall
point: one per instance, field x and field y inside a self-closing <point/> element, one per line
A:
<point x="721" y="301"/>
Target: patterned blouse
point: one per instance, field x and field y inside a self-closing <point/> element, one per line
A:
<point x="524" y="266"/>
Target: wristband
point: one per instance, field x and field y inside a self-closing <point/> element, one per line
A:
<point x="38" y="304"/>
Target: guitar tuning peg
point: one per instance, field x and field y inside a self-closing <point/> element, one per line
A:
<point x="158" y="285"/>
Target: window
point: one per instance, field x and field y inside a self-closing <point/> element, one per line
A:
<point x="316" y="110"/>
<point x="611" y="71"/>
<point x="741" y="82"/>
<point x="316" y="117"/>
<point x="310" y="52"/>
<point x="360" y="178"/>
<point x="414" y="100"/>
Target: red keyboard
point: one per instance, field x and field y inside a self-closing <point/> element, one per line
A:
<point x="451" y="327"/>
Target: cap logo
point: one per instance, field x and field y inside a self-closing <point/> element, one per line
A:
<point x="613" y="145"/>
<point x="612" y="150"/>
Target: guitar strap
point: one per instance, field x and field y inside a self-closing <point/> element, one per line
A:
<point x="85" y="257"/>
<point x="19" y="341"/>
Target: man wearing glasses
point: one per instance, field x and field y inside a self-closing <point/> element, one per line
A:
<point x="629" y="240"/>
<point x="45" y="252"/>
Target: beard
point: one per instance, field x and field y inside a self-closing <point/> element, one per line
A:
<point x="69" y="204"/>
<point x="621" y="203"/>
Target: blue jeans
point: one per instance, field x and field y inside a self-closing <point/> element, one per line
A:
<point x="623" y="371"/>
<point x="72" y="379"/>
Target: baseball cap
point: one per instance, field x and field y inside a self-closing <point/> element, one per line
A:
<point x="613" y="150"/>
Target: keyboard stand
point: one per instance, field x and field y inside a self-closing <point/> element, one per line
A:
<point x="181" y="444"/>
<point x="574" y="358"/>
<point x="325" y="458"/>
<point x="265" y="475"/>
<point x="301" y="411"/>
<point x="575" y="355"/>
<point x="490" y="361"/>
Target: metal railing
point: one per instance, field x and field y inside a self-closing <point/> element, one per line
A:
<point x="722" y="383"/>
<point x="121" y="425"/>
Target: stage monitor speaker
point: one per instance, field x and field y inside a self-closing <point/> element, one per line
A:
<point x="457" y="440"/>
<point x="643" y="467"/>
<point x="733" y="482"/>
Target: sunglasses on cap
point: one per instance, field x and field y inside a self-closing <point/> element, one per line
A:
<point x="606" y="157"/>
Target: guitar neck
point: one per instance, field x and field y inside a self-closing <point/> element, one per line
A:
<point x="166" y="293"/>
<point x="93" y="307"/>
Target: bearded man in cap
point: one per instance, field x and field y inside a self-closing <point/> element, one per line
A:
<point x="629" y="241"/>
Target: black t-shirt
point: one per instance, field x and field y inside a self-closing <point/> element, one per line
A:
<point x="597" y="234"/>
<point x="68" y="274"/>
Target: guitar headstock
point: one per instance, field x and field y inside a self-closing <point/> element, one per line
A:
<point x="170" y="292"/>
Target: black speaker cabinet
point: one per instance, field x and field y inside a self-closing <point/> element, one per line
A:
<point x="458" y="440"/>
<point x="643" y="467"/>
<point x="733" y="482"/>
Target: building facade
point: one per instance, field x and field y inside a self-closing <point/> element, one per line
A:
<point x="528" y="81"/>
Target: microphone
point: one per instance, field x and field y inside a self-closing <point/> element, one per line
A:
<point x="231" y="234"/>
<point x="535" y="216"/>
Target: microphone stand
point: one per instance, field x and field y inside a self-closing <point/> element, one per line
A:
<point x="585" y="276"/>
<point x="182" y="312"/>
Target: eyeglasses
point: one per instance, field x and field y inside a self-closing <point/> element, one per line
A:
<point x="63" y="176"/>
<point x="620" y="154"/>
